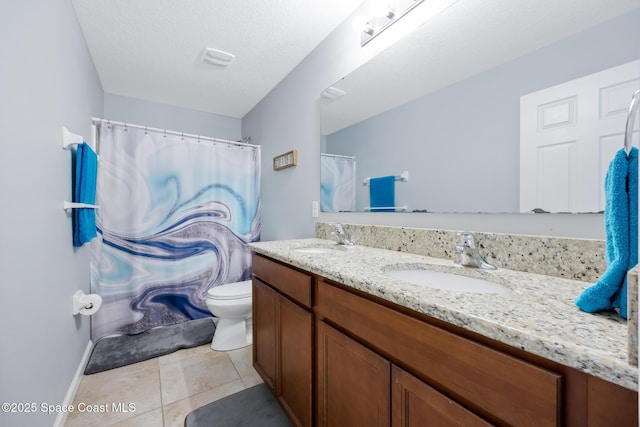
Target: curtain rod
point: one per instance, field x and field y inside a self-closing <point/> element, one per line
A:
<point x="339" y="156"/>
<point x="97" y="120"/>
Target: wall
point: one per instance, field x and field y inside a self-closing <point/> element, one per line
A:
<point x="47" y="80"/>
<point x="418" y="136"/>
<point x="162" y="116"/>
<point x="288" y="118"/>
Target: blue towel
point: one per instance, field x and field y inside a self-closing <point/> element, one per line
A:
<point x="84" y="219"/>
<point x="382" y="193"/>
<point x="621" y="227"/>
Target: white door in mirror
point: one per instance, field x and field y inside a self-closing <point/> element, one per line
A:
<point x="568" y="133"/>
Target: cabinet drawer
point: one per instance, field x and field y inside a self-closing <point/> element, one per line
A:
<point x="290" y="282"/>
<point x="490" y="382"/>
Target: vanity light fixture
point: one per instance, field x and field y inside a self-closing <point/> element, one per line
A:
<point x="383" y="10"/>
<point x="361" y="24"/>
<point x="388" y="12"/>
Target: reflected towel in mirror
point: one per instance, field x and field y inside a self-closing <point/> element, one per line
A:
<point x="382" y="193"/>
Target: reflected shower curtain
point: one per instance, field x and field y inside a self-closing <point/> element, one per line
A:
<point x="175" y="215"/>
<point x="337" y="183"/>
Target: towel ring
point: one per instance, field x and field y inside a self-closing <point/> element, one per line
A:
<point x="633" y="109"/>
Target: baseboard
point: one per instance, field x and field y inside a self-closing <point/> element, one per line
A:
<point x="73" y="387"/>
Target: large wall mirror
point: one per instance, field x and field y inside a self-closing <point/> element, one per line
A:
<point x="444" y="104"/>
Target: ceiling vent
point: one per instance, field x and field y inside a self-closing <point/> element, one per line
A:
<point x="217" y="58"/>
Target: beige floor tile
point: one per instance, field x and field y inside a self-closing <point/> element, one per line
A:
<point x="99" y="395"/>
<point x="188" y="352"/>
<point x="242" y="360"/>
<point x="176" y="412"/>
<point x="148" y="419"/>
<point x="196" y="374"/>
<point x="252" y="379"/>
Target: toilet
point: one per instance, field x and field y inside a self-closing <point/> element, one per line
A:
<point x="231" y="304"/>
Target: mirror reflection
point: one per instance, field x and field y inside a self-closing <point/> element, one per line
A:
<point x="449" y="106"/>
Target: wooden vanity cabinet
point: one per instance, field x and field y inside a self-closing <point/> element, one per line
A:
<point x="265" y="331"/>
<point x="373" y="363"/>
<point x="358" y="387"/>
<point x="353" y="382"/>
<point x="494" y="385"/>
<point x="415" y="404"/>
<point x="283" y="336"/>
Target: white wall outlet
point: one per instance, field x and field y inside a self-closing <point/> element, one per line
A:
<point x="315" y="209"/>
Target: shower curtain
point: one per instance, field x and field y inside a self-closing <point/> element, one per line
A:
<point x="337" y="183"/>
<point x="175" y="215"/>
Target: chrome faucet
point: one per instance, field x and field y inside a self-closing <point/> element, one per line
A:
<point x="468" y="253"/>
<point x="342" y="237"/>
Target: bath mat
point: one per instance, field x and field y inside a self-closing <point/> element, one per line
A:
<point x="253" y="407"/>
<point x="115" y="352"/>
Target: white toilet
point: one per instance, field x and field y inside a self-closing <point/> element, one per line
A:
<point x="231" y="304"/>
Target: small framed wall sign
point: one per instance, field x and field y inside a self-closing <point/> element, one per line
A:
<point x="285" y="160"/>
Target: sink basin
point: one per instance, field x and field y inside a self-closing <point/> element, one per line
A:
<point x="447" y="281"/>
<point x="316" y="250"/>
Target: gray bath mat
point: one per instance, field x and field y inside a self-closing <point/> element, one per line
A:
<point x="114" y="352"/>
<point x="253" y="407"/>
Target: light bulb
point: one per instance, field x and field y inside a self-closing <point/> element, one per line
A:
<point x="382" y="10"/>
<point x="359" y="24"/>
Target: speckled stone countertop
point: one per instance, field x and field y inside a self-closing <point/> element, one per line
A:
<point x="537" y="315"/>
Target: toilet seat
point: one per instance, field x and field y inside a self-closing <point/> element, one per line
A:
<point x="230" y="291"/>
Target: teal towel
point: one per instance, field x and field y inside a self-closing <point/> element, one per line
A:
<point x="621" y="228"/>
<point x="84" y="219"/>
<point x="382" y="193"/>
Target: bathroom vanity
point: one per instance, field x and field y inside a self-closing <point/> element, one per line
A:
<point x="341" y="343"/>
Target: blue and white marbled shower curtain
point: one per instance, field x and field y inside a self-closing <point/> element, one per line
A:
<point x="175" y="215"/>
<point x="337" y="183"/>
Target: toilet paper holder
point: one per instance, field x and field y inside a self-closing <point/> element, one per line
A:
<point x="86" y="304"/>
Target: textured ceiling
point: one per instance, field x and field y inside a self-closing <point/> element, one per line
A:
<point x="151" y="49"/>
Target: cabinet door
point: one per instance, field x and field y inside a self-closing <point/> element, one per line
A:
<point x="296" y="358"/>
<point x="415" y="404"/>
<point x="353" y="382"/>
<point x="264" y="332"/>
<point x="611" y="405"/>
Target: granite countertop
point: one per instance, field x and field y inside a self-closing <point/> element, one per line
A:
<point x="537" y="315"/>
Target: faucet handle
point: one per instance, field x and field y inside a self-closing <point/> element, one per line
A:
<point x="467" y="239"/>
<point x="342" y="237"/>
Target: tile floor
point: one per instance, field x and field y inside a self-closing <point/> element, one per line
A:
<point x="162" y="390"/>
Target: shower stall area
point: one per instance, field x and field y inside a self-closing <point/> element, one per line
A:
<point x="176" y="212"/>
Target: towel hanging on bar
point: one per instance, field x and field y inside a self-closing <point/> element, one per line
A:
<point x="382" y="194"/>
<point x="84" y="219"/>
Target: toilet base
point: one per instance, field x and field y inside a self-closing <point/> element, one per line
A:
<point x="231" y="334"/>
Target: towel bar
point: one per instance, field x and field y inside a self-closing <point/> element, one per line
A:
<point x="379" y="208"/>
<point x="69" y="139"/>
<point x="404" y="177"/>
<point x="633" y="109"/>
<point x="73" y="205"/>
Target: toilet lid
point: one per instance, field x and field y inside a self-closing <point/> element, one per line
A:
<point x="231" y="290"/>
